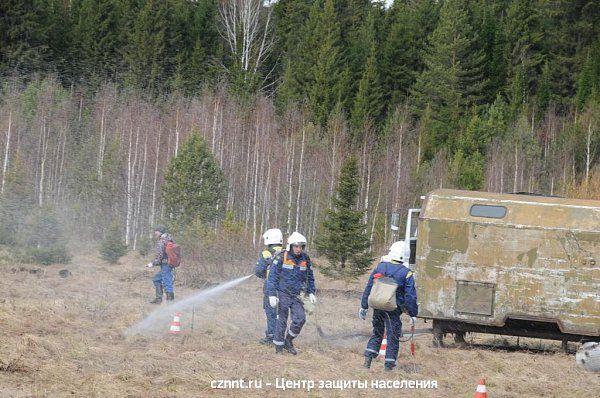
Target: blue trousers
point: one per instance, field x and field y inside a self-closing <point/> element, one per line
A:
<point x="383" y="320"/>
<point x="271" y="314"/>
<point x="288" y="304"/>
<point x="164" y="278"/>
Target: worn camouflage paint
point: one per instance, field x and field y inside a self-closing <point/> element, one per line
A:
<point x="539" y="262"/>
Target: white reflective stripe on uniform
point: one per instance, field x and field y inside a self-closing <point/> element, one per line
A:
<point x="292" y="334"/>
<point x="287" y="266"/>
<point x="390" y="360"/>
<point x="278" y="342"/>
<point x="373" y="351"/>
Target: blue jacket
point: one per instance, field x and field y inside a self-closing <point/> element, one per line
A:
<point x="265" y="259"/>
<point x="406" y="294"/>
<point x="291" y="274"/>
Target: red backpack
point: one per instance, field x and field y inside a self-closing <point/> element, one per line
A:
<point x="173" y="251"/>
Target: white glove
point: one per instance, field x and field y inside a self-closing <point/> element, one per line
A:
<point x="273" y="300"/>
<point x="362" y="313"/>
<point x="413" y="320"/>
<point x="312" y="298"/>
<point x="149" y="265"/>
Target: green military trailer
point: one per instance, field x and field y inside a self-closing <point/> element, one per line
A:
<point x="511" y="264"/>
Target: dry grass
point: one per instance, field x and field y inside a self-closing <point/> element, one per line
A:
<point x="64" y="337"/>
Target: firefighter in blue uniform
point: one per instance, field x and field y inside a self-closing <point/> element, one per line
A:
<point x="273" y="239"/>
<point x="406" y="298"/>
<point x="291" y="275"/>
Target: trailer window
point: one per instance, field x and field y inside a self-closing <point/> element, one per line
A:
<point x="488" y="211"/>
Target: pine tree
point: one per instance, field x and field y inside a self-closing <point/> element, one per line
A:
<point x="41" y="240"/>
<point x="323" y="89"/>
<point x="358" y="23"/>
<point x="59" y="38"/>
<point x="487" y="21"/>
<point x="23" y="36"/>
<point x="570" y="27"/>
<point x="524" y="34"/>
<point x="544" y="89"/>
<point x="98" y="39"/>
<point x="193" y="44"/>
<point x="467" y="166"/>
<point x="453" y="77"/>
<point x="112" y="247"/>
<point x="146" y="52"/>
<point x="368" y="104"/>
<point x="344" y="241"/>
<point x="195" y="186"/>
<point x="588" y="84"/>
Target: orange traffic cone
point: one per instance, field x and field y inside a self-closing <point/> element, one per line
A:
<point x="383" y="346"/>
<point x="481" y="390"/>
<point x="176" y="324"/>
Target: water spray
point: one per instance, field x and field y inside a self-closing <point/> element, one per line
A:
<point x="151" y="322"/>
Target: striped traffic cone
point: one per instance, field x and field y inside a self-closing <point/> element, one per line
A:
<point x="481" y="390"/>
<point x="383" y="346"/>
<point x="176" y="324"/>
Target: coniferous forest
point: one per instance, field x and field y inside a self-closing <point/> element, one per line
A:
<point x="97" y="97"/>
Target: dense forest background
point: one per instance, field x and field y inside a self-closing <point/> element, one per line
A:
<point x="98" y="96"/>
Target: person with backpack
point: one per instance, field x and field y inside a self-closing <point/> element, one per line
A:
<point x="163" y="280"/>
<point x="390" y="289"/>
<point x="273" y="239"/>
<point x="291" y="286"/>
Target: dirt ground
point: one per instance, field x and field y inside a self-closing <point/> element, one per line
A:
<point x="64" y="337"/>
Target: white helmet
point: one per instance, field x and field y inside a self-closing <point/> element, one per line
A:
<point x="273" y="236"/>
<point x="397" y="251"/>
<point x="295" y="237"/>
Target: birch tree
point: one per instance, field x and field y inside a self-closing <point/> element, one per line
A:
<point x="246" y="29"/>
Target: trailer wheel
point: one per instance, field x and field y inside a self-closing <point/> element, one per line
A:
<point x="438" y="334"/>
<point x="459" y="338"/>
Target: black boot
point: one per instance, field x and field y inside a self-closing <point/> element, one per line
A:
<point x="170" y="296"/>
<point x="159" y="293"/>
<point x="267" y="340"/>
<point x="389" y="366"/>
<point x="289" y="346"/>
<point x="367" y="364"/>
<point x="278" y="349"/>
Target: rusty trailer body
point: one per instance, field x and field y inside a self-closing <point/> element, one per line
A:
<point x="509" y="264"/>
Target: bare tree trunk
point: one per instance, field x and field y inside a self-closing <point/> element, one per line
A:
<point x="375" y="215"/>
<point x="102" y="145"/>
<point x="516" y="167"/>
<point x="298" y="206"/>
<point x="277" y="197"/>
<point x="62" y="166"/>
<point x="267" y="197"/>
<point x="588" y="153"/>
<point x="153" y="210"/>
<point x="177" y="131"/>
<point x="6" y="151"/>
<point x="129" y="193"/>
<point x="214" y="128"/>
<point x="502" y="177"/>
<point x="43" y="153"/>
<point x="367" y="190"/>
<point x="247" y="185"/>
<point x="399" y="166"/>
<point x="254" y="196"/>
<point x="333" y="160"/>
<point x="289" y="217"/>
<point x="419" y="149"/>
<point x="136" y="219"/>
